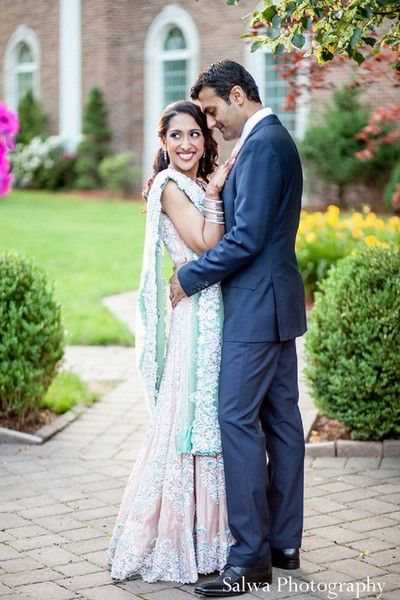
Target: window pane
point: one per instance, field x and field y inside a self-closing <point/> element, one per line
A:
<point x="175" y="80"/>
<point x="24" y="54"/>
<point x="276" y="90"/>
<point x="175" y="40"/>
<point x="24" y="84"/>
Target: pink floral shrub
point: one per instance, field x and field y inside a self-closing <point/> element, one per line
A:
<point x="9" y="127"/>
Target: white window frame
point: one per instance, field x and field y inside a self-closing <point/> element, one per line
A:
<point x="155" y="55"/>
<point x="70" y="73"/>
<point x="26" y="35"/>
<point x="254" y="62"/>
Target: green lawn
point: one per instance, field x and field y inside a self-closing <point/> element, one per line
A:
<point x="90" y="248"/>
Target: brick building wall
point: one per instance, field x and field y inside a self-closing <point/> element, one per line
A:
<point x="43" y="18"/>
<point x="113" y="53"/>
<point x="113" y="36"/>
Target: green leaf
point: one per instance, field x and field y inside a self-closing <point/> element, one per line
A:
<point x="232" y="2"/>
<point x="255" y="46"/>
<point x="365" y="12"/>
<point x="355" y="38"/>
<point x="370" y="41"/>
<point x="306" y="22"/>
<point x="276" y="22"/>
<point x="269" y="13"/>
<point x="358" y="57"/>
<point x="385" y="2"/>
<point x="279" y="49"/>
<point x="298" y="40"/>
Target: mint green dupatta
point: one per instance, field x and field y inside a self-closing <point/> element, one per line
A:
<point x="198" y="431"/>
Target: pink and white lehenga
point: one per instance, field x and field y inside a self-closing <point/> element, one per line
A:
<point x="172" y="523"/>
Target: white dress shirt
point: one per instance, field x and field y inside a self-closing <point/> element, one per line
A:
<point x="249" y="126"/>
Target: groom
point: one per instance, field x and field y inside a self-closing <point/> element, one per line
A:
<point x="264" y="313"/>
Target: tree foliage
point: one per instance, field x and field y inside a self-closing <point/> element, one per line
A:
<point x="329" y="147"/>
<point x="33" y="119"/>
<point x="352" y="28"/>
<point x="94" y="146"/>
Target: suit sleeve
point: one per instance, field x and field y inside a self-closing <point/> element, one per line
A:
<point x="259" y="183"/>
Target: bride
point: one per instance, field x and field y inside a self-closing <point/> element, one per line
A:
<point x="172" y="523"/>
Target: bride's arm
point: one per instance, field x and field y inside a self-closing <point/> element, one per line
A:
<point x="197" y="233"/>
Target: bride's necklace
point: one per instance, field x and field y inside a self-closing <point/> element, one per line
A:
<point x="199" y="182"/>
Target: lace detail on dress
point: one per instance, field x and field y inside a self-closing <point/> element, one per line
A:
<point x="172" y="523"/>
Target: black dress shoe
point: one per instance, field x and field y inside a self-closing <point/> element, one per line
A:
<point x="285" y="558"/>
<point x="234" y="581"/>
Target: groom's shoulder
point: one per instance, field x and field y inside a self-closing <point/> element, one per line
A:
<point x="272" y="134"/>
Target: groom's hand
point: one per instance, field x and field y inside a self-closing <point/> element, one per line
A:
<point x="176" y="291"/>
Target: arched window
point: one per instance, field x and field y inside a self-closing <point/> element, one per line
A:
<point x="21" y="66"/>
<point x="264" y="66"/>
<point x="24" y="70"/>
<point x="172" y="57"/>
<point x="175" y="66"/>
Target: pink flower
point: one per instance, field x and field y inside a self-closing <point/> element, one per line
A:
<point x="9" y="122"/>
<point x="6" y="180"/>
<point x="6" y="177"/>
<point x="9" y="126"/>
<point x="4" y="164"/>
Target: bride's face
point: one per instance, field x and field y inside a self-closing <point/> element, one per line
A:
<point x="184" y="142"/>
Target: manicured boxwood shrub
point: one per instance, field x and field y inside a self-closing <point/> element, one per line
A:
<point x="119" y="173"/>
<point x="31" y="335"/>
<point x="353" y="343"/>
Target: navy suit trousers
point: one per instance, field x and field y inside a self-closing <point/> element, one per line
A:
<point x="263" y="445"/>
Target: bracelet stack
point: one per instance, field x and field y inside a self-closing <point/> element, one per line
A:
<point x="214" y="211"/>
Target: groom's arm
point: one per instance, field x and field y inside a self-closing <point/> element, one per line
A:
<point x="259" y="182"/>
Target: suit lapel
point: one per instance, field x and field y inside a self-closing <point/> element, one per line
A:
<point x="268" y="120"/>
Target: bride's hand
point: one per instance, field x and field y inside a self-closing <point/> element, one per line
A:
<point x="218" y="179"/>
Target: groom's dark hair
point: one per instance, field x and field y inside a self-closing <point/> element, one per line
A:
<point x="222" y="77"/>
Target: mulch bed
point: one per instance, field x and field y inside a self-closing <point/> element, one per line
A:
<point x="31" y="423"/>
<point x="328" y="430"/>
<point x="42" y="417"/>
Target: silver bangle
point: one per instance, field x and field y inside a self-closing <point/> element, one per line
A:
<point x="214" y="202"/>
<point x="216" y="221"/>
<point x="215" y="212"/>
<point x="215" y="217"/>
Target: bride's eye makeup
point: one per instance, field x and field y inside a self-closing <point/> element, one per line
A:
<point x="196" y="133"/>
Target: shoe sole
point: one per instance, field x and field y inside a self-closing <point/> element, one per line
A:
<point x="288" y="565"/>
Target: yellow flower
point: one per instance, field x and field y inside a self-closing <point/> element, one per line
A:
<point x="356" y="232"/>
<point x="371" y="240"/>
<point x="379" y="224"/>
<point x="394" y="222"/>
<point x="370" y="219"/>
<point x="310" y="237"/>
<point x="333" y="209"/>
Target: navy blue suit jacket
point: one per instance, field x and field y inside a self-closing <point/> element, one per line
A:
<point x="255" y="260"/>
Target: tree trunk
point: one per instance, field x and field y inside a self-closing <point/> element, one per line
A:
<point x="341" y="196"/>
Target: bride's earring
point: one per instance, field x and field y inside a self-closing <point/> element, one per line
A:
<point x="165" y="155"/>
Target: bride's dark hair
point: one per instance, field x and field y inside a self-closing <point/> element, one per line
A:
<point x="209" y="160"/>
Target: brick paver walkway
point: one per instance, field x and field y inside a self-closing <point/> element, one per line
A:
<point x="59" y="502"/>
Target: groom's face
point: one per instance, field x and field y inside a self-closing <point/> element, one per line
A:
<point x="228" y="118"/>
